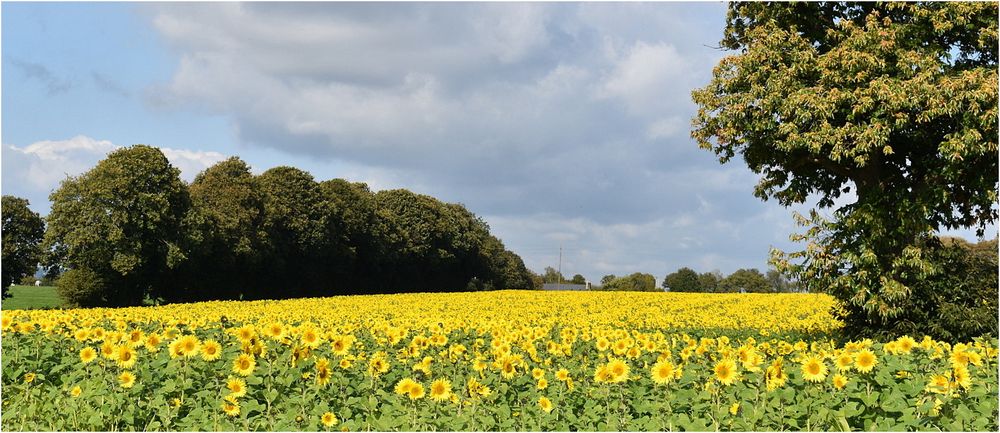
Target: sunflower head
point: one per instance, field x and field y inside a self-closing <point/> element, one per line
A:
<point x="403" y="386"/>
<point x="865" y="361"/>
<point x="328" y="419"/>
<point x="244" y="364"/>
<point x="725" y="372"/>
<point x="662" y="372"/>
<point x="440" y="390"/>
<point x="87" y="355"/>
<point x="545" y="404"/>
<point x="839" y="381"/>
<point x="126" y="379"/>
<point x="813" y="369"/>
<point x="619" y="370"/>
<point x="237" y="387"/>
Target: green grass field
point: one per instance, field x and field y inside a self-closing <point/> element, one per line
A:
<point x="25" y="297"/>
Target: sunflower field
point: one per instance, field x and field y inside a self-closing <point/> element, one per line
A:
<point x="509" y="360"/>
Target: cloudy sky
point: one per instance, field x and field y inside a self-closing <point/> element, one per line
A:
<point x="560" y="124"/>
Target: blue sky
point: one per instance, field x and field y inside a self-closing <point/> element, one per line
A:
<point x="559" y="124"/>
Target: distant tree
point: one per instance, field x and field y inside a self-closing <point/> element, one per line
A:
<point x="22" y="230"/>
<point x="895" y="102"/>
<point x="552" y="276"/>
<point x="637" y="282"/>
<point x="777" y="282"/>
<point x="746" y="280"/>
<point x="578" y="279"/>
<point x="537" y="281"/>
<point x="684" y="280"/>
<point x="709" y="281"/>
<point x="607" y="279"/>
<point x="118" y="229"/>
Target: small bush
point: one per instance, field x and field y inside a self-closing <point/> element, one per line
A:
<point x="958" y="302"/>
<point x="82" y="288"/>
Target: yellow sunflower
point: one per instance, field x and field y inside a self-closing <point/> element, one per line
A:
<point x="231" y="408"/>
<point x="87" y="355"/>
<point x="275" y="330"/>
<point x="865" y="361"/>
<point x="618" y="369"/>
<point x="245" y="333"/>
<point x="126" y="379"/>
<point x="237" y="388"/>
<point x="537" y="373"/>
<point x="725" y="372"/>
<point x="125" y="356"/>
<point x="844" y="362"/>
<point x="905" y="344"/>
<point x="188" y="346"/>
<point x="328" y="419"/>
<point x="152" y="343"/>
<point x="939" y="384"/>
<point x="962" y="377"/>
<point x="340" y="345"/>
<point x="839" y="381"/>
<point x="603" y="344"/>
<point x="211" y="350"/>
<point x="244" y="364"/>
<point x="440" y="390"/>
<point x="404" y="385"/>
<point x="542" y="384"/>
<point x="545" y="404"/>
<point x="662" y="372"/>
<point x="310" y="338"/>
<point x="562" y="374"/>
<point x="813" y="369"/>
<point x="378" y="364"/>
<point x="108" y="350"/>
<point x="323" y="372"/>
<point x="416" y="391"/>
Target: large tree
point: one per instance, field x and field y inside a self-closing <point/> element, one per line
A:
<point x="298" y="232"/>
<point x="225" y="234"/>
<point x="684" y="280"/>
<point x="22" y="232"/>
<point x="117" y="229"/>
<point x="365" y="236"/>
<point x="893" y="102"/>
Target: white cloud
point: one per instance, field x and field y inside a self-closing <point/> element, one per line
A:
<point x="43" y="164"/>
<point x="35" y="170"/>
<point x="666" y="128"/>
<point x="191" y="162"/>
<point x="647" y="78"/>
<point x="512" y="31"/>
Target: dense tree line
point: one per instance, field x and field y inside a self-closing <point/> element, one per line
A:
<point x="635" y="282"/>
<point x="742" y="280"/>
<point x="129" y="229"/>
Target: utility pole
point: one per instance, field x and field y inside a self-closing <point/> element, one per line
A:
<point x="560" y="263"/>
